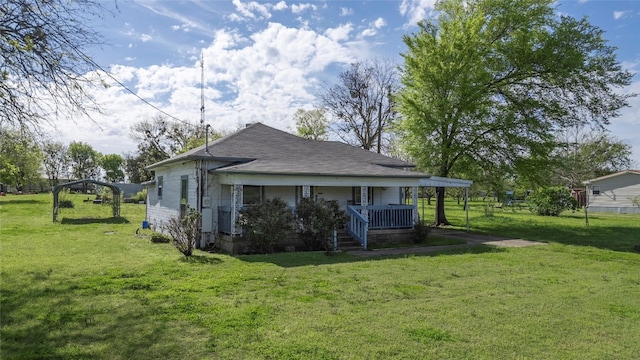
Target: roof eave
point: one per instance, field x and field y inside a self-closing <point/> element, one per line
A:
<point x="409" y="175"/>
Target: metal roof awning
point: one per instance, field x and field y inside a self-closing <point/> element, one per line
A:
<point x="437" y="181"/>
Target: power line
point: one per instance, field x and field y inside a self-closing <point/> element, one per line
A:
<point x="88" y="59"/>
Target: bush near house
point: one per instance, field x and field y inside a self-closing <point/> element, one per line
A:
<point x="160" y="238"/>
<point x="267" y="223"/>
<point x="185" y="231"/>
<point x="551" y="201"/>
<point x="318" y="219"/>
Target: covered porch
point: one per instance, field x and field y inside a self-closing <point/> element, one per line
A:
<point x="371" y="203"/>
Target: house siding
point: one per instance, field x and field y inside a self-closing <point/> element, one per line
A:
<point x="616" y="194"/>
<point x="159" y="211"/>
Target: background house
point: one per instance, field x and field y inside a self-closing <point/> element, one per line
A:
<point x="614" y="193"/>
<point x="258" y="162"/>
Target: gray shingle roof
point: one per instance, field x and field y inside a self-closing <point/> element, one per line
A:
<point x="262" y="149"/>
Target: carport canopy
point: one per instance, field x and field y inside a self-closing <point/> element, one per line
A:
<point x="114" y="188"/>
<point x="437" y="181"/>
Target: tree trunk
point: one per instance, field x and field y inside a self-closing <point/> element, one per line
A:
<point x="440" y="219"/>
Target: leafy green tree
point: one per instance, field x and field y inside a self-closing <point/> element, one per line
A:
<point x="19" y="158"/>
<point x="158" y="139"/>
<point x="490" y="81"/>
<point x="134" y="167"/>
<point x="112" y="165"/>
<point x="43" y="59"/>
<point x="311" y="124"/>
<point x="85" y="161"/>
<point x="55" y="160"/>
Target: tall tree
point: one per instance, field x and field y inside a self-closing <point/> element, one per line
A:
<point x="134" y="167"/>
<point x="311" y="124"/>
<point x="491" y="81"/>
<point x="160" y="138"/>
<point x="361" y="103"/>
<point x="55" y="160"/>
<point x="112" y="164"/>
<point x="43" y="65"/>
<point x="19" y="158"/>
<point x="85" y="161"/>
<point x="585" y="153"/>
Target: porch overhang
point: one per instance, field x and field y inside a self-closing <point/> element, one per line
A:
<point x="315" y="180"/>
<point x="437" y="181"/>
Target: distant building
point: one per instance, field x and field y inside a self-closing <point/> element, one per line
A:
<point x="614" y="193"/>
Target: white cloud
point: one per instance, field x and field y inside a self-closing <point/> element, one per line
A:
<point x="175" y="27"/>
<point x="346" y="11"/>
<point x="146" y="37"/>
<point x="280" y="6"/>
<point x="379" y="23"/>
<point x="619" y="14"/>
<point x="187" y="22"/>
<point x="373" y="28"/>
<point x="262" y="77"/>
<point x="416" y="10"/>
<point x="340" y="33"/>
<point x="249" y="9"/>
<point x="298" y="8"/>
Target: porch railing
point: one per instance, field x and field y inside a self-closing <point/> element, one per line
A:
<point x="389" y="216"/>
<point x="358" y="225"/>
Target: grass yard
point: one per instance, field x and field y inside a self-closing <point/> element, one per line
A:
<point x="88" y="287"/>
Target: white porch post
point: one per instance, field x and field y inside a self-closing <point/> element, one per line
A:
<point x="306" y="191"/>
<point x="364" y="201"/>
<point x="466" y="205"/>
<point x="414" y="200"/>
<point x="236" y="205"/>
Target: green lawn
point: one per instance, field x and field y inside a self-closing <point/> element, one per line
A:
<point x="94" y="289"/>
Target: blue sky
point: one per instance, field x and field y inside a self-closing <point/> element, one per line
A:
<point x="263" y="60"/>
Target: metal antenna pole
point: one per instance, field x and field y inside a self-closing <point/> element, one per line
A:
<point x="202" y="90"/>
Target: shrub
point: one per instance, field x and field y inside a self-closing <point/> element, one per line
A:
<point x="67" y="204"/>
<point x="159" y="238"/>
<point x="317" y="220"/>
<point x="185" y="231"/>
<point x="420" y="232"/>
<point x="265" y="224"/>
<point x="140" y="196"/>
<point x="489" y="209"/>
<point x="551" y="201"/>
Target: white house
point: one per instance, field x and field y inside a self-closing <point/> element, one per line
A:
<point x="614" y="193"/>
<point x="260" y="162"/>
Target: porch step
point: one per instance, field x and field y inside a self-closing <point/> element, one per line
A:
<point x="346" y="242"/>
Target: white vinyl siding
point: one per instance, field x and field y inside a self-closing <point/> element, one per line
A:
<point x="615" y="194"/>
